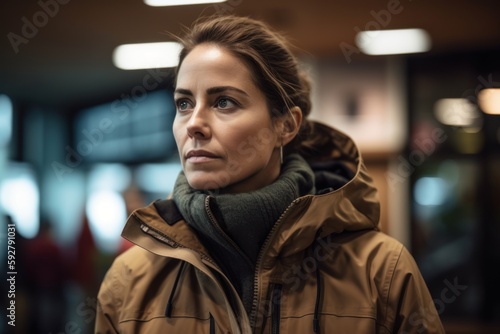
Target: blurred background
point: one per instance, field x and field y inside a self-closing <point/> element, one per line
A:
<point x="83" y="142"/>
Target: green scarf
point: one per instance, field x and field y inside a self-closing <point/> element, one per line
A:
<point x="244" y="218"/>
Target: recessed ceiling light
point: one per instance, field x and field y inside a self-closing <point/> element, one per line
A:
<point x="457" y="112"/>
<point x="161" y="3"/>
<point x="146" y="55"/>
<point x="385" y="42"/>
<point x="489" y="100"/>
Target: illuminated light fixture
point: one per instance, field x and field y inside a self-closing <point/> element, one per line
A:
<point x="386" y="42"/>
<point x="431" y="191"/>
<point x="489" y="100"/>
<point x="162" y="3"/>
<point x="6" y="111"/>
<point x="20" y="198"/>
<point x="146" y="55"/>
<point x="457" y="112"/>
<point x="106" y="212"/>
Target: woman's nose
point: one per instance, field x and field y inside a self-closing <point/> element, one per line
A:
<point x="198" y="126"/>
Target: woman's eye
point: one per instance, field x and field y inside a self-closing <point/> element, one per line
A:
<point x="183" y="105"/>
<point x="225" y="103"/>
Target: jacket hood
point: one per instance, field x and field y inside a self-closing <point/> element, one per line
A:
<point x="346" y="199"/>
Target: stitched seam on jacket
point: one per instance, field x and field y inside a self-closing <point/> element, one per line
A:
<point x="386" y="306"/>
<point x="162" y="317"/>
<point x="330" y="314"/>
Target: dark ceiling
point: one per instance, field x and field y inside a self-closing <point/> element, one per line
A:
<point x="65" y="61"/>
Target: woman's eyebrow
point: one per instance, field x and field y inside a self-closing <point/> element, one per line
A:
<point x="211" y="90"/>
<point x="183" y="91"/>
<point x="220" y="89"/>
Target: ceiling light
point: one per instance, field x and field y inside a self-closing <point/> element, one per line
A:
<point x="489" y="100"/>
<point x="146" y="55"/>
<point x="457" y="112"/>
<point x="385" y="42"/>
<point x="161" y="3"/>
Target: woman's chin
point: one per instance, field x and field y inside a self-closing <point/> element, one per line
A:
<point x="207" y="183"/>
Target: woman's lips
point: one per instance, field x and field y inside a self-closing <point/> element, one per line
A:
<point x="199" y="156"/>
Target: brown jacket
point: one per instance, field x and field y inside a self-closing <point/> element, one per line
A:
<point x="324" y="268"/>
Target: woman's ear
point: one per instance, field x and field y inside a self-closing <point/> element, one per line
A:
<point x="290" y="125"/>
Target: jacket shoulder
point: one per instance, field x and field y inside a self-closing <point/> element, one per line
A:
<point x="385" y="259"/>
<point x="371" y="254"/>
<point x="124" y="288"/>
<point x="133" y="264"/>
<point x="127" y="271"/>
<point x="367" y="243"/>
<point x="403" y="299"/>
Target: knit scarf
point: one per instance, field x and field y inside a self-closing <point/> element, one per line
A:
<point x="241" y="222"/>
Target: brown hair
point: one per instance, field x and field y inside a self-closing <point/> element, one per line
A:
<point x="275" y="70"/>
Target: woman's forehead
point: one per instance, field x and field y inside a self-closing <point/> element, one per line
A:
<point x="209" y="64"/>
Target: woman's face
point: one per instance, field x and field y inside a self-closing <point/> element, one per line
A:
<point x="223" y="129"/>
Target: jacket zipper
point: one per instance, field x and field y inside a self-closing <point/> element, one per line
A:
<point x="221" y="231"/>
<point x="167" y="240"/>
<point x="263" y="250"/>
<point x="158" y="235"/>
<point x="276" y="309"/>
<point x="212" y="324"/>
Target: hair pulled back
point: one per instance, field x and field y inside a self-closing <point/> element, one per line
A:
<point x="274" y="68"/>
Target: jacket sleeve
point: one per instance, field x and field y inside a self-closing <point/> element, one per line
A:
<point x="108" y="302"/>
<point x="410" y="302"/>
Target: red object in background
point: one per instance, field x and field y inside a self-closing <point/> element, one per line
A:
<point x="84" y="265"/>
<point x="46" y="265"/>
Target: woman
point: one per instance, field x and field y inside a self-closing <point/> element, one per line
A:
<point x="272" y="225"/>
